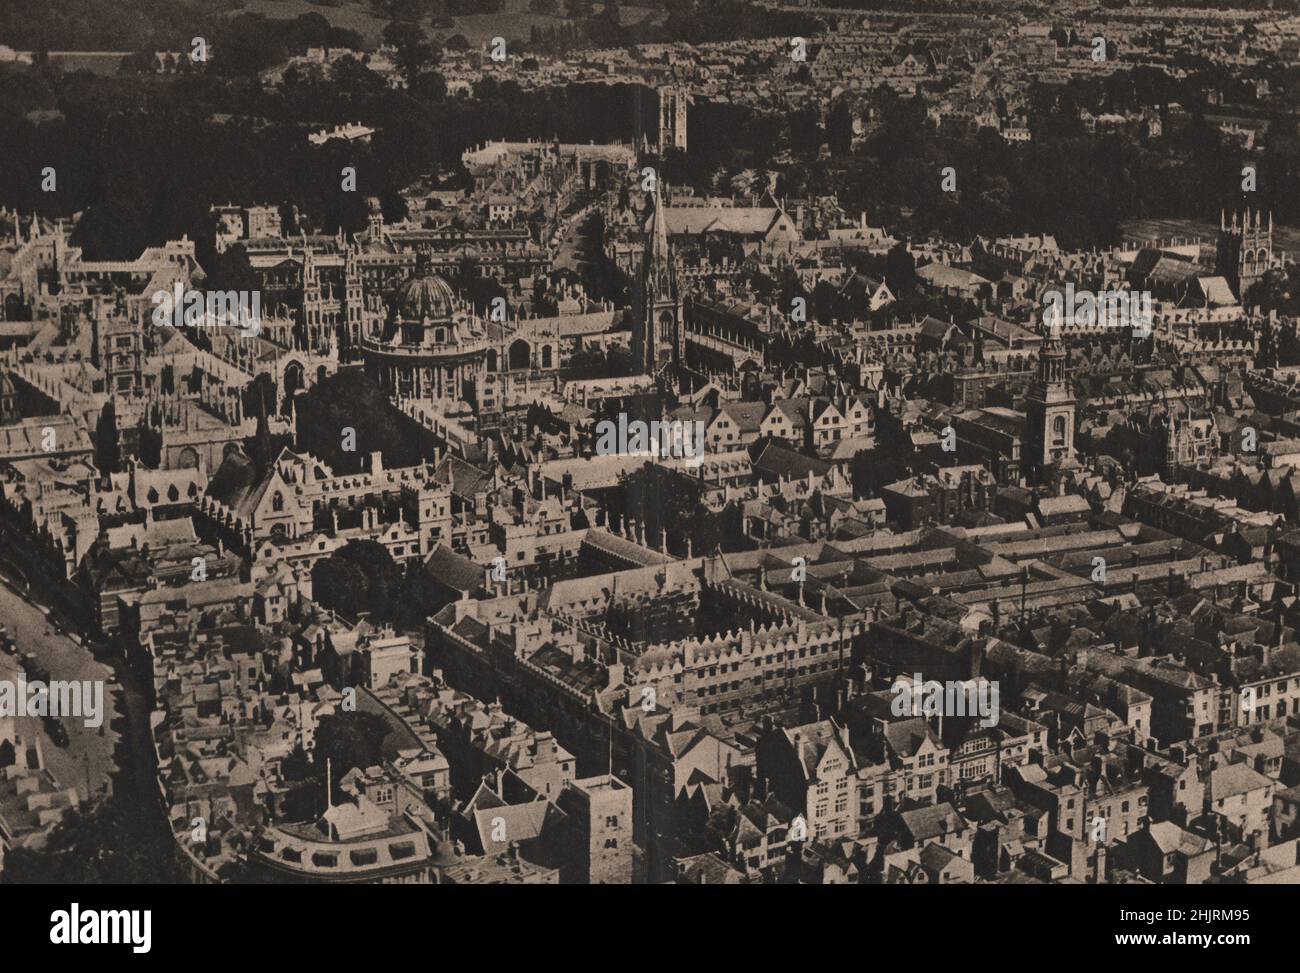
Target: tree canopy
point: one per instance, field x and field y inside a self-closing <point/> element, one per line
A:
<point x="102" y="843"/>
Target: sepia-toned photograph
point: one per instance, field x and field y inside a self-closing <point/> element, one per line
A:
<point x="671" y="442"/>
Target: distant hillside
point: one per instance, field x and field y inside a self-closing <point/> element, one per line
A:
<point x="108" y="25"/>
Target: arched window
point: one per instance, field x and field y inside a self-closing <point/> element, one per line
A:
<point x="520" y="355"/>
<point x="1058" y="431"/>
<point x="277" y="502"/>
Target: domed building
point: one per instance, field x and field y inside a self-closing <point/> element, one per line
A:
<point x="429" y="298"/>
<point x="434" y="347"/>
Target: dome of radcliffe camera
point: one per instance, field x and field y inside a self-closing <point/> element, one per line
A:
<point x="427" y="297"/>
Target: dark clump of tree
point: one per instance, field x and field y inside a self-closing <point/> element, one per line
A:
<point x="668" y="508"/>
<point x="142" y="155"/>
<point x="362" y="576"/>
<point x="350" y="399"/>
<point x="100" y="844"/>
<point x="413" y="54"/>
<point x="348" y="740"/>
<point x="344" y="740"/>
<point x="102" y="25"/>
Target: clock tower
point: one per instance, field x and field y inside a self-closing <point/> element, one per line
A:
<point x="1049" y="411"/>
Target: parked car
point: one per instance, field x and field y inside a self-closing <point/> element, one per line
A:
<point x="58" y="733"/>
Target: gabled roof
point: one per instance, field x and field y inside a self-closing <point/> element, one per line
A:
<point x="928" y="823"/>
<point x="747" y="415"/>
<point x="465" y="479"/>
<point x="811" y="741"/>
<point x="782" y="461"/>
<point x="1170" y="838"/>
<point x="742" y="220"/>
<point x="905" y="737"/>
<point x="1232" y="780"/>
<point x="237" y="483"/>
<point x="453" y="570"/>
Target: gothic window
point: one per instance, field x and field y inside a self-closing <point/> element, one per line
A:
<point x="1058" y="431"/>
<point x="277" y="502"/>
<point x="520" y="354"/>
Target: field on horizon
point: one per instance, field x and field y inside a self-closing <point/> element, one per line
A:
<point x="1284" y="238"/>
<point x="514" y="23"/>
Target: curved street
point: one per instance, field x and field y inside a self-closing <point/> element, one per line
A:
<point x="89" y="760"/>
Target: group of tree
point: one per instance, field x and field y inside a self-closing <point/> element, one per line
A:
<point x="345" y="417"/>
<point x="362" y="577"/>
<point x="143" y="156"/>
<point x="667" y="507"/>
<point x="110" y="25"/>
<point x="344" y="740"/>
<point x="101" y="842"/>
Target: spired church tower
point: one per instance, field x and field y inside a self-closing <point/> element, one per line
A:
<point x="658" y="331"/>
<point x="1049" y="409"/>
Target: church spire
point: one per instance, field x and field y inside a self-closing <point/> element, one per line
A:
<point x="659" y="267"/>
<point x="658" y="336"/>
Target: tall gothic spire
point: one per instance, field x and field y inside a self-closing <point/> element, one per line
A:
<point x="660" y="283"/>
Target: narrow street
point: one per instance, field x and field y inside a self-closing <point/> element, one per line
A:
<point x="87" y="762"/>
<point x="580" y="244"/>
<point x="90" y="760"/>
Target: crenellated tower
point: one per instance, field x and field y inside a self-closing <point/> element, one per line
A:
<point x="1244" y="249"/>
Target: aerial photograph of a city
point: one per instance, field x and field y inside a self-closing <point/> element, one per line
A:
<point x="672" y="442"/>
